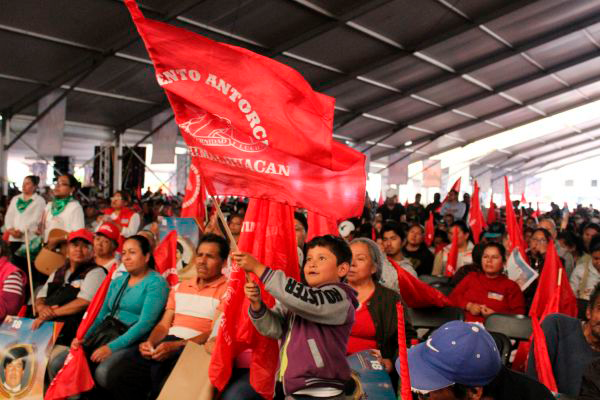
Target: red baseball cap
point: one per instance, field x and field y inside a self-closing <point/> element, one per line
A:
<point x="81" y="234"/>
<point x="109" y="230"/>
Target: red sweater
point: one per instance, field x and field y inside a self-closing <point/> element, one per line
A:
<point x="500" y="294"/>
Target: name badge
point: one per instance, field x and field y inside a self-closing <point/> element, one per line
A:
<point x="495" y="296"/>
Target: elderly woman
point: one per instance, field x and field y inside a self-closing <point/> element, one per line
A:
<point x="484" y="293"/>
<point x="375" y="323"/>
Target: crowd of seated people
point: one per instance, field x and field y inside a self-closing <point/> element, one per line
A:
<point x="115" y="238"/>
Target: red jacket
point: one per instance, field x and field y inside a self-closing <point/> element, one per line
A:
<point x="500" y="294"/>
<point x="124" y="215"/>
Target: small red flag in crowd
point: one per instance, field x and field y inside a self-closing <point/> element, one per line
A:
<point x="268" y="234"/>
<point x="554" y="293"/>
<point x="429" y="229"/>
<point x="263" y="133"/>
<point x="491" y="215"/>
<point x="523" y="201"/>
<point x="416" y="293"/>
<point x="165" y="257"/>
<point x="452" y="262"/>
<point x="75" y="377"/>
<point x="319" y="225"/>
<point x="381" y="200"/>
<point x="476" y="221"/>
<point x="405" y="389"/>
<point x="515" y="233"/>
<point x="455" y="187"/>
<point x="194" y="201"/>
<point x="543" y="366"/>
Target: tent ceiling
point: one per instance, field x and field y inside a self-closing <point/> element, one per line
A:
<point x="438" y="74"/>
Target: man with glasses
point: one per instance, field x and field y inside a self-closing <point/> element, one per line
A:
<point x="461" y="361"/>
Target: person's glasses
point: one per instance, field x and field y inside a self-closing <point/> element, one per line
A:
<point x="541" y="241"/>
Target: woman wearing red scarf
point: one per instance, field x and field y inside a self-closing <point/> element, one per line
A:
<point x="127" y="220"/>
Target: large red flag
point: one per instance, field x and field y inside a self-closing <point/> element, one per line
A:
<point x="429" y="229"/>
<point x="194" y="202"/>
<point x="416" y="293"/>
<point x="476" y="221"/>
<point x="515" y="233"/>
<point x="253" y="126"/>
<point x="75" y="377"/>
<point x="491" y="215"/>
<point x="268" y="233"/>
<point x="319" y="225"/>
<point x="452" y="262"/>
<point x="543" y="366"/>
<point x="165" y="257"/>
<point x="554" y="293"/>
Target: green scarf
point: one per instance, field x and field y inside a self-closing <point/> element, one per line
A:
<point x="58" y="205"/>
<point x="22" y="204"/>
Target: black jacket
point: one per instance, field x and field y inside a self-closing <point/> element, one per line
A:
<point x="382" y="307"/>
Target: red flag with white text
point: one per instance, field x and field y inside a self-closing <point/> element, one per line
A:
<point x="268" y="234"/>
<point x="194" y="201"/>
<point x="263" y="133"/>
<point x="75" y="377"/>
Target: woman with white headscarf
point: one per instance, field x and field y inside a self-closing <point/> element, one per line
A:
<point x="375" y="323"/>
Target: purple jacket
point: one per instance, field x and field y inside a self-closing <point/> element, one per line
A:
<point x="314" y="324"/>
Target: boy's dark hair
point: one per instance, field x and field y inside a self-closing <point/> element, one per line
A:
<point x="594" y="296"/>
<point x="393" y="226"/>
<point x="220" y="241"/>
<point x="462" y="225"/>
<point x="335" y="244"/>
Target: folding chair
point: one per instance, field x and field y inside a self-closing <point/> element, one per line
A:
<point x="514" y="326"/>
<point x="445" y="288"/>
<point x="503" y="345"/>
<point x="431" y="318"/>
<point x="431" y="279"/>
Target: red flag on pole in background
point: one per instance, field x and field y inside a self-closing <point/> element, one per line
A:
<point x="429" y="229"/>
<point x="554" y="293"/>
<point x="194" y="202"/>
<point x="537" y="212"/>
<point x="515" y="233"/>
<point x="543" y="366"/>
<point x="165" y="257"/>
<point x="75" y="377"/>
<point x="476" y="221"/>
<point x="381" y="200"/>
<point x="491" y="215"/>
<point x="319" y="225"/>
<point x="416" y="293"/>
<point x="452" y="262"/>
<point x="263" y="133"/>
<point x="523" y="201"/>
<point x="455" y="187"/>
<point x="268" y="234"/>
<point x="405" y="391"/>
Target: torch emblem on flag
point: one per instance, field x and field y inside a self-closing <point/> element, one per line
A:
<point x="216" y="131"/>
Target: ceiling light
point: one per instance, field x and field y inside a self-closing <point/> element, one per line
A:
<point x="408" y="143"/>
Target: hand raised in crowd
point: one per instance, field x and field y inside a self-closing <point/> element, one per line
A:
<point x="473" y="308"/>
<point x="166" y="349"/>
<point x="248" y="263"/>
<point x="146" y="349"/>
<point x="101" y="354"/>
<point x="252" y="291"/>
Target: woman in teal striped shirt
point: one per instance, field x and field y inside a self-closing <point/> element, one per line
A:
<point x="142" y="303"/>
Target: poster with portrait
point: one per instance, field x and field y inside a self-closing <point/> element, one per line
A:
<point x="371" y="379"/>
<point x="188" y="236"/>
<point x="519" y="271"/>
<point x="23" y="357"/>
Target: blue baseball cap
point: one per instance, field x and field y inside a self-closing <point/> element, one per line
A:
<point x="457" y="352"/>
